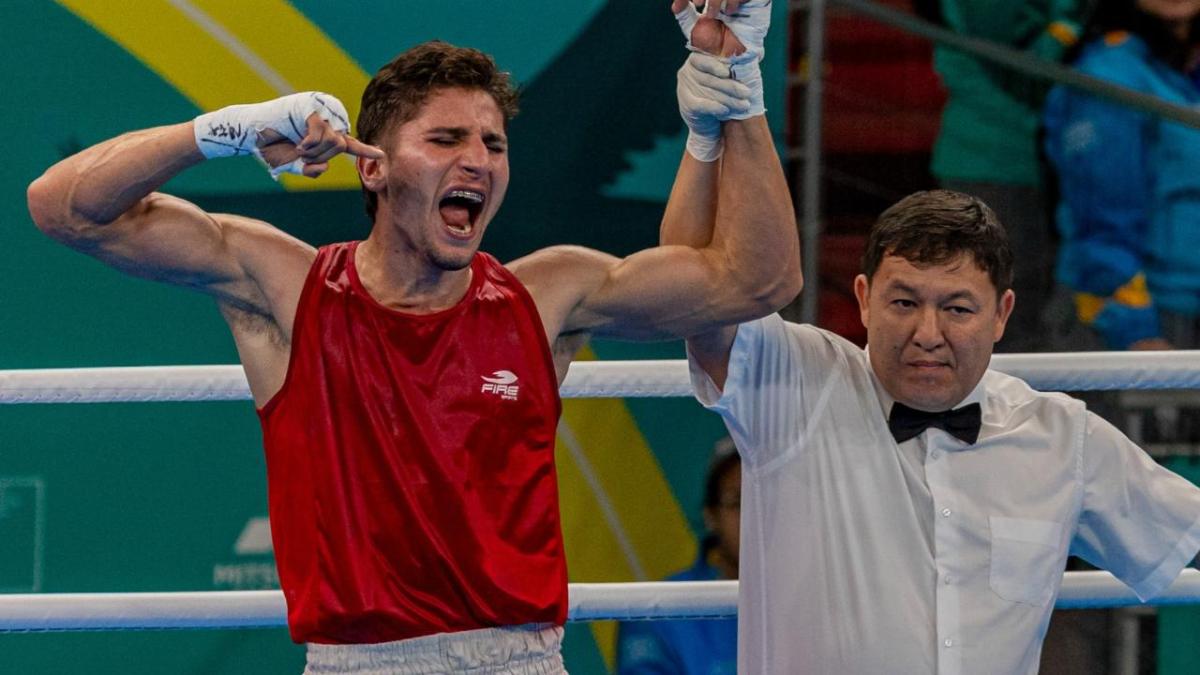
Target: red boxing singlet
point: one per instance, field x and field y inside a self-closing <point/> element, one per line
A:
<point x="410" y="462"/>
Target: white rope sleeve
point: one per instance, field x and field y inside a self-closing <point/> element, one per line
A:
<point x="653" y="600"/>
<point x="587" y="379"/>
<point x="1087" y="371"/>
<point x="588" y="602"/>
<point x="124" y="385"/>
<point x="141" y="611"/>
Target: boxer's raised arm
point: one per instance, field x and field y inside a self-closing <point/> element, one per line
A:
<point x="102" y="201"/>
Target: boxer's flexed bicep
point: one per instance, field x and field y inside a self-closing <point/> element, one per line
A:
<point x="102" y="200"/>
<point x="171" y="240"/>
<point x="253" y="270"/>
<point x="234" y="259"/>
<point x="659" y="293"/>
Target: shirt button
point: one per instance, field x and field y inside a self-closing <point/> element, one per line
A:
<point x="948" y="580"/>
<point x="946" y="513"/>
<point x="934" y="455"/>
<point x="948" y="642"/>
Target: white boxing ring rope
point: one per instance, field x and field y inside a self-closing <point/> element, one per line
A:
<point x="588" y="602"/>
<point x="1081" y="371"/>
<point x="41" y="612"/>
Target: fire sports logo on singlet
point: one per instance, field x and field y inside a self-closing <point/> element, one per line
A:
<point x="502" y="383"/>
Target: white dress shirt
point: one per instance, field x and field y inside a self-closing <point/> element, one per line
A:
<point x="861" y="555"/>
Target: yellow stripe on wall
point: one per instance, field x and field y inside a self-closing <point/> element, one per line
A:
<point x="305" y="56"/>
<point x="210" y="72"/>
<point x="631" y="511"/>
<point x="171" y="45"/>
<point x="293" y="45"/>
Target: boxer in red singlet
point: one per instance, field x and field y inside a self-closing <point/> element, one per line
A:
<point x="407" y="383"/>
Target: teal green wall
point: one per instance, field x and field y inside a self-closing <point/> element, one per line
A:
<point x="1178" y="645"/>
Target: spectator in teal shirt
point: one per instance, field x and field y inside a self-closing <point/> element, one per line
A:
<point x="987" y="146"/>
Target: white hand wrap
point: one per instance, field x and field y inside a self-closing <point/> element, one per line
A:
<point x="235" y="130"/>
<point x="707" y="94"/>
<point x="749" y="24"/>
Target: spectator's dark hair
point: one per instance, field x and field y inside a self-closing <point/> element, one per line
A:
<point x="936" y="227"/>
<point x="725" y="459"/>
<point x="397" y="92"/>
<point x="1124" y="15"/>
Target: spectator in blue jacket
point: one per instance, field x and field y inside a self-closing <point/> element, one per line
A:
<point x="1129" y="212"/>
<point x="699" y="646"/>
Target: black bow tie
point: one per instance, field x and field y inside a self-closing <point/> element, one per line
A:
<point x="962" y="423"/>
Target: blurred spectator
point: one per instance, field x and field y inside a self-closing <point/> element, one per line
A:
<point x="987" y="146"/>
<point x="1129" y="186"/>
<point x="1130" y="182"/>
<point x="700" y="646"/>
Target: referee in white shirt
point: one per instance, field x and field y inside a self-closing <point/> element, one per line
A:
<point x="905" y="509"/>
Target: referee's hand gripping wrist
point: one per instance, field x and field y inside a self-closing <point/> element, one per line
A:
<point x="707" y="94"/>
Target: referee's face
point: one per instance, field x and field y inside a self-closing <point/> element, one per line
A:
<point x="931" y="328"/>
